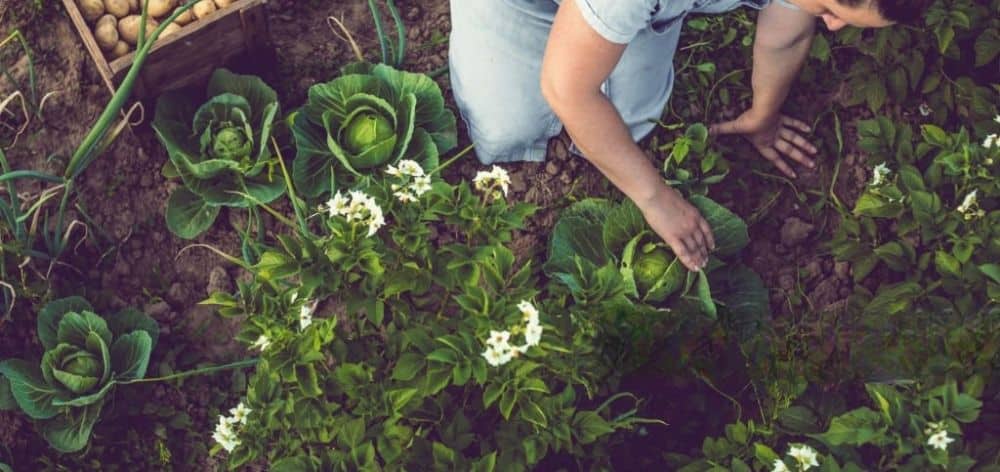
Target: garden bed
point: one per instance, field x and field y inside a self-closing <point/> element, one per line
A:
<point x="131" y="259"/>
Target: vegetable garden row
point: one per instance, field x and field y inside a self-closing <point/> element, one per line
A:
<point x="390" y="320"/>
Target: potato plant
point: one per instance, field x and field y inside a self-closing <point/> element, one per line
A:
<point x="401" y="350"/>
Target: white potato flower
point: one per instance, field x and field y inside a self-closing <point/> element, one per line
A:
<point x="940" y="440"/>
<point x="529" y="311"/>
<point x="880" y="175"/>
<point x="490" y="181"/>
<point x="494" y="357"/>
<point x="225" y="435"/>
<point x="421" y="185"/>
<point x="410" y="168"/>
<point x="779" y="466"/>
<point x="498" y="338"/>
<point x="804" y="455"/>
<point x="240" y="413"/>
<point x="261" y="343"/>
<point x="305" y="315"/>
<point x="990" y="141"/>
<point x="404" y="196"/>
<point x="533" y="334"/>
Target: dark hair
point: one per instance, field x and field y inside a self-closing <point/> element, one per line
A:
<point x="898" y="11"/>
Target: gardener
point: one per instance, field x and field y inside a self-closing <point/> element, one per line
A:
<point x="521" y="69"/>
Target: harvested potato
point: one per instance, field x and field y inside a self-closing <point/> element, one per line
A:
<point x="92" y="9"/>
<point x="106" y="32"/>
<point x="203" y="8"/>
<point x="128" y="28"/>
<point x="118" y="8"/>
<point x="185" y="18"/>
<point x="158" y="8"/>
<point x="223" y="3"/>
<point x="133" y="6"/>
<point x="120" y="49"/>
<point x="170" y="29"/>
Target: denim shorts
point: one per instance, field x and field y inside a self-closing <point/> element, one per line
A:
<point x="496" y="54"/>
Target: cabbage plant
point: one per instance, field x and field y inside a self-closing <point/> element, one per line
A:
<point x="85" y="356"/>
<point x="370" y="117"/>
<point x="601" y="250"/>
<point x="218" y="145"/>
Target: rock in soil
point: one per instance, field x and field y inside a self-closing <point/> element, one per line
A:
<point x="795" y="231"/>
<point x="219" y="281"/>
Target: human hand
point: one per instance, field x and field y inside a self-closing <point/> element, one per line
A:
<point x="680" y="225"/>
<point x="774" y="136"/>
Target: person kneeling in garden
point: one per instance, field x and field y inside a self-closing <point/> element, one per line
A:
<point x="521" y="69"/>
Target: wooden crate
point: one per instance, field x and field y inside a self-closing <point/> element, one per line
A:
<point x="188" y="56"/>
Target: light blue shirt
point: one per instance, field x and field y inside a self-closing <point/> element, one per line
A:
<point x="619" y="21"/>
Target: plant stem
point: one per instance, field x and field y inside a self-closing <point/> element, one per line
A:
<point x="447" y="163"/>
<point x="203" y="370"/>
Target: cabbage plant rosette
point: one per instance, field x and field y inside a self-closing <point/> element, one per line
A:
<point x="595" y="238"/>
<point x="370" y="117"/>
<point x="85" y="357"/>
<point x="220" y="149"/>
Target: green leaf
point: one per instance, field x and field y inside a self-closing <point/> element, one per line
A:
<point x="130" y="355"/>
<point x="52" y="313"/>
<point x="7" y="401"/>
<point x="588" y="427"/>
<point x="401" y="397"/>
<point x="189" y="215"/>
<point x="730" y="230"/>
<point x="992" y="271"/>
<point x="744" y="299"/>
<point x="621" y="224"/>
<point x="300" y="463"/>
<point x="856" y="427"/>
<point x="947" y="264"/>
<point x="76" y="328"/>
<point x="444" y="355"/>
<point x="407" y="367"/>
<point x="492" y="393"/>
<point x="30" y="390"/>
<point x="507" y="401"/>
<point x="987" y="46"/>
<point x="353" y="432"/>
<point x="430" y="112"/>
<point x="312" y="169"/>
<point x="533" y="413"/>
<point x="705" y="296"/>
<point x="129" y="320"/>
<point x="798" y="419"/>
<point x="70" y="432"/>
<point x="258" y="95"/>
<point x="578" y="234"/>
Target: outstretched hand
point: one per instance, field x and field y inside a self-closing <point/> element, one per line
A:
<point x="681" y="226"/>
<point x="776" y="137"/>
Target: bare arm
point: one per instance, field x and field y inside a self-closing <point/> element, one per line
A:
<point x="784" y="36"/>
<point x="577" y="61"/>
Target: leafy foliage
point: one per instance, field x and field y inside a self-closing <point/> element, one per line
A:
<point x="369" y="117"/>
<point x="219" y="149"/>
<point x="85" y="357"/>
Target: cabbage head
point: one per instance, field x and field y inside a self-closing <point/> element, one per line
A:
<point x="218" y="143"/>
<point x="85" y="356"/>
<point x="369" y="117"/>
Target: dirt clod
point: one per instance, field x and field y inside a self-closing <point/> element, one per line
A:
<point x="218" y="281"/>
<point x="795" y="231"/>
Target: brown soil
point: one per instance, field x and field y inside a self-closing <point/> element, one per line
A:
<point x="130" y="258"/>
